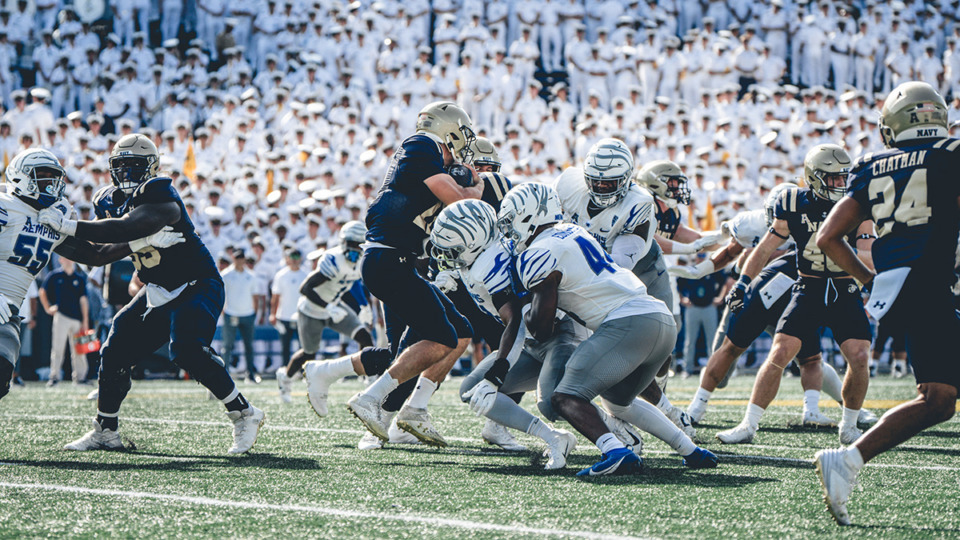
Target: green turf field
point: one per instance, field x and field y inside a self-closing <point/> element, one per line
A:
<point x="305" y="477"/>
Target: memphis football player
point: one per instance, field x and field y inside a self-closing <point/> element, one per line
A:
<point x="824" y="295"/>
<point x="180" y="302"/>
<point x="37" y="182"/>
<point x="565" y="268"/>
<point x="911" y="192"/>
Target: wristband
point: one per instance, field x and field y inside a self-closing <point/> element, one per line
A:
<point x="138" y="244"/>
<point x="69" y="227"/>
<point x="498" y="372"/>
<point x="744" y="281"/>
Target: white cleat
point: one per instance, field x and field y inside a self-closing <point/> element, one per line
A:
<point x="682" y="420"/>
<point x="318" y="378"/>
<point x="369" y="441"/>
<point x="629" y="436"/>
<point x="817" y="419"/>
<point x="558" y="448"/>
<point x="742" y="434"/>
<point x="837" y="481"/>
<point x="399" y="436"/>
<point x="866" y="419"/>
<point x="98" y="439"/>
<point x="418" y="423"/>
<point x="285" y="384"/>
<point x="246" y="427"/>
<point x="497" y="435"/>
<point x="94" y="394"/>
<point x="849" y="434"/>
<point x="371" y="413"/>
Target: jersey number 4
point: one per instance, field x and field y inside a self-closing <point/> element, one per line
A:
<point x="597" y="260"/>
<point x="910" y="210"/>
<point x="31" y="252"/>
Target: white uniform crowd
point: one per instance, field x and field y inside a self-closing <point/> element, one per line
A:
<point x="279" y="119"/>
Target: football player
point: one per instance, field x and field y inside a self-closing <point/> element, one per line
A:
<point x="37" y="182"/>
<point x="565" y="268"/>
<point x="416" y="187"/>
<point x="911" y="193"/>
<point x="320" y="307"/>
<point x="824" y="295"/>
<point x="180" y="302"/>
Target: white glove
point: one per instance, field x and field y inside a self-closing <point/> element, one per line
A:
<point x="708" y="239"/>
<point x="366" y="315"/>
<point x="336" y="313"/>
<point x="161" y="239"/>
<point x="53" y="217"/>
<point x="482" y="397"/>
<point x="696" y="271"/>
<point x="446" y="281"/>
<point x="725" y="229"/>
<point x="5" y="312"/>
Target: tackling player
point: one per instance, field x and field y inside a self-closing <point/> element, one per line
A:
<point x="910" y="191"/>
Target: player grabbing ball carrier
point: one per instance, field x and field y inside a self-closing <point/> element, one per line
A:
<point x="180" y="302"/>
<point x="911" y="192"/>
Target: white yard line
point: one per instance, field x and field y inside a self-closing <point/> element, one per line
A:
<point x="322" y="510"/>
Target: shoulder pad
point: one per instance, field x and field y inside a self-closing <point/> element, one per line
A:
<point x="155" y="190"/>
<point x="534" y="265"/>
<point x="328" y="265"/>
<point x="787" y="202"/>
<point x="108" y="202"/>
<point x="421" y="143"/>
<point x="493" y="269"/>
<point x="568" y="181"/>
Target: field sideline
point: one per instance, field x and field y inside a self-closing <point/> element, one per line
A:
<point x="305" y="476"/>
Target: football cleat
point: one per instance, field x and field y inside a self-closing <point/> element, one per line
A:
<point x="285" y="384"/>
<point x="849" y="434"/>
<point x="866" y="419"/>
<point x="558" y="448"/>
<point x="817" y="419"/>
<point x="837" y="481"/>
<point x="317" y="375"/>
<point x="246" y="427"/>
<point x="701" y="458"/>
<point x="621" y="461"/>
<point x="369" y="441"/>
<point x="371" y="413"/>
<point x="627" y="434"/>
<point x="399" y="436"/>
<point x="94" y="394"/>
<point x="497" y="435"/>
<point x="682" y="420"/>
<point x="742" y="434"/>
<point x="418" y="423"/>
<point x="98" y="439"/>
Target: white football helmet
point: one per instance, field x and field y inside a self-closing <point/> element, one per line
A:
<point x="352" y="234"/>
<point x="771" y="201"/>
<point x="524" y="209"/>
<point x="37" y="175"/>
<point x="609" y="161"/>
<point x="462" y="231"/>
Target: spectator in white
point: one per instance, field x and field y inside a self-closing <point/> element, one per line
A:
<point x="671" y="66"/>
<point x="951" y="69"/>
<point x="524" y="52"/>
<point x="64" y="297"/>
<point x="929" y="67"/>
<point x="45" y="57"/>
<point x="900" y="64"/>
<point x="285" y="291"/>
<point x="551" y="37"/>
<point x="840" y="47"/>
<point x="531" y="109"/>
<point x="239" y="312"/>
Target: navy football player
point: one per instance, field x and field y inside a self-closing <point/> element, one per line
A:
<point x="911" y="192"/>
<point x="824" y="295"/>
<point x="416" y="187"/>
<point x="180" y="302"/>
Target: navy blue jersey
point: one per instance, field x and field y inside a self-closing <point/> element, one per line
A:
<point x="404" y="210"/>
<point x="804" y="213"/>
<point x="668" y="221"/>
<point x="495" y="188"/>
<point x="170" y="267"/>
<point x="911" y="194"/>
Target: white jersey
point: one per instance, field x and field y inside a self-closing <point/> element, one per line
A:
<point x="748" y="228"/>
<point x="488" y="276"/>
<point x="593" y="289"/>
<point x="633" y="210"/>
<point x="25" y="246"/>
<point x="341" y="274"/>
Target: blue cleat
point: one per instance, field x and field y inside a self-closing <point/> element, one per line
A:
<point x="701" y="458"/>
<point x="621" y="461"/>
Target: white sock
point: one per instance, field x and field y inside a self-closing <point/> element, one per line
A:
<point x="832" y="385"/>
<point x="652" y="420"/>
<point x="421" y="395"/>
<point x="384" y="385"/>
<point x="753" y="416"/>
<point x="698" y="405"/>
<point x="608" y="442"/>
<point x="538" y="428"/>
<point x="850" y="416"/>
<point x="854" y="458"/>
<point x="811" y="400"/>
<point x="341" y="367"/>
<point x="664" y="403"/>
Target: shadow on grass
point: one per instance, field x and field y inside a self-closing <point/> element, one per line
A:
<point x="653" y="474"/>
<point x="177" y="463"/>
<point x="925" y="531"/>
<point x="763" y="461"/>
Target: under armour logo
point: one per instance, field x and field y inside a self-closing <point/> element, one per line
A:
<point x="403" y="260"/>
<point x="767" y="295"/>
<point x="879" y="305"/>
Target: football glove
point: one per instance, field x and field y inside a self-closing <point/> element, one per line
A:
<point x="696" y="271"/>
<point x="161" y="239"/>
<point x="336" y="312"/>
<point x="708" y="239"/>
<point x="54" y="218"/>
<point x="446" y="281"/>
<point x="482" y="397"/>
<point x="737" y="293"/>
<point x="5" y="311"/>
